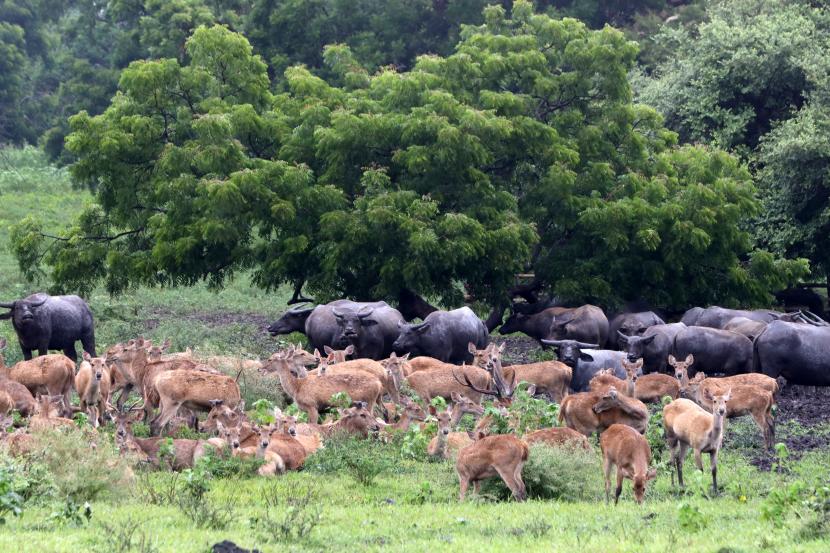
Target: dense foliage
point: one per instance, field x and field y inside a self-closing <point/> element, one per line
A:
<point x="520" y="151"/>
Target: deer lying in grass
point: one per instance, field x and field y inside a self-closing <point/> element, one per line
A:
<point x="552" y="378"/>
<point x="628" y="450"/>
<point x="681" y="372"/>
<point x="52" y="374"/>
<point x="309" y="437"/>
<point x="6" y="402"/>
<point x="744" y="400"/>
<point x="93" y="385"/>
<point x="47" y="414"/>
<point x="313" y="393"/>
<point x="686" y="425"/>
<point x="502" y="455"/>
<point x="446" y="443"/>
<point x="558" y="437"/>
<point x="183" y="453"/>
<point x="411" y="413"/>
<point x="589" y="412"/>
<point x="273" y="464"/>
<point x="18" y="443"/>
<point x="22" y="399"/>
<point x="328" y="366"/>
<point x="649" y="388"/>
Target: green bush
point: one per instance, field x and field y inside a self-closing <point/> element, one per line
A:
<point x="362" y="459"/>
<point x="289" y="514"/>
<point x="530" y="413"/>
<point x="217" y="465"/>
<point x="96" y="468"/>
<point x="11" y="502"/>
<point x="561" y="473"/>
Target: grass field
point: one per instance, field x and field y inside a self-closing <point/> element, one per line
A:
<point x="388" y="500"/>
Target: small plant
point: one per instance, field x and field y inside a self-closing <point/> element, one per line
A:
<point x="215" y="464"/>
<point x="656" y="436"/>
<point x="690" y="518"/>
<point x="531" y="413"/>
<point x="193" y="500"/>
<point x="11" y="502"/>
<point x="287" y="517"/>
<point x="341" y="400"/>
<point x="81" y="419"/>
<point x="362" y="459"/>
<point x="294" y="411"/>
<point x="536" y="529"/>
<point x="158" y="488"/>
<point x="124" y="537"/>
<point x="425" y="494"/>
<point x="782" y="458"/>
<point x="414" y="443"/>
<point x="72" y="513"/>
<point x="499" y="424"/>
<point x="439" y="403"/>
<point x="263" y="412"/>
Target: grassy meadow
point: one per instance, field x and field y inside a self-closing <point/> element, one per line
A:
<point x="360" y="496"/>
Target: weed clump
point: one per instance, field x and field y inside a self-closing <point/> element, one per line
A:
<point x="364" y="460"/>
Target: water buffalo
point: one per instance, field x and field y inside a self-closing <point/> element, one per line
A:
<point x="585" y="361"/>
<point x="323" y="328"/>
<point x="583" y="324"/>
<point x="798" y="352"/>
<point x="443" y="335"/>
<point x="717" y="317"/>
<point x="747" y="327"/>
<point x="714" y="350"/>
<point x="630" y="324"/>
<point x="691" y="316"/>
<point x="654" y="346"/>
<point x="45" y="322"/>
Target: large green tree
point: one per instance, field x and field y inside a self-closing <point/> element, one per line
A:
<point x="522" y="151"/>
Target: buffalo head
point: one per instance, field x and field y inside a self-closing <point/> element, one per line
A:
<point x="514" y="323"/>
<point x="24" y="312"/>
<point x="409" y="339"/>
<point x="350" y="324"/>
<point x="634" y="346"/>
<point x="292" y="320"/>
<point x="570" y="351"/>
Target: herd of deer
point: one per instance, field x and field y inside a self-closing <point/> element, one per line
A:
<point x="613" y="408"/>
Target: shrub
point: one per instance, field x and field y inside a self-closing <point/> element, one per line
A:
<point x="362" y="459"/>
<point x="217" y="465"/>
<point x="690" y="518"/>
<point x="158" y="488"/>
<point x="529" y="413"/>
<point x="11" y="502"/>
<point x="562" y="473"/>
<point x="96" y="467"/>
<point x="289" y="515"/>
<point x="124" y="537"/>
<point x="71" y="513"/>
<point x="195" y="503"/>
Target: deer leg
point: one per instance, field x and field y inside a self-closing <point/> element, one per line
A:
<point x="681" y="456"/>
<point x="93" y="415"/>
<point x="122" y="398"/>
<point x="313" y="415"/>
<point x="699" y="459"/>
<point x="168" y="411"/>
<point x="517" y="475"/>
<point x="618" y="491"/>
<point x="463" y="485"/>
<point x="607" y="464"/>
<point x="511" y="483"/>
<point x="713" y="460"/>
<point x="477" y="486"/>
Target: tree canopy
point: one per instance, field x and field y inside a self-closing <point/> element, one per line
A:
<point x="520" y="151"/>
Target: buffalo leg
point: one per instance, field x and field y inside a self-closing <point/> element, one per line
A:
<point x="88" y="343"/>
<point x="70" y="352"/>
<point x="27" y="353"/>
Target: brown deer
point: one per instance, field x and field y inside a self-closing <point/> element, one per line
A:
<point x="51" y="374"/>
<point x="649" y="388"/>
<point x="589" y="412"/>
<point x="502" y="455"/>
<point x="558" y="436"/>
<point x="686" y="425"/>
<point x="552" y="378"/>
<point x="628" y="450"/>
<point x="446" y="443"/>
<point x="412" y="412"/>
<point x="192" y="389"/>
<point x="6" y="402"/>
<point x="329" y="366"/>
<point x="93" y="385"/>
<point x="273" y="463"/>
<point x="313" y="393"/>
<point x="22" y="398"/>
<point x="338" y="355"/>
<point x="310" y="438"/>
<point x="745" y="399"/>
<point x="357" y="420"/>
<point x="605" y="379"/>
<point x="443" y="381"/>
<point x="47" y="414"/>
<point x="220" y="412"/>
<point x="681" y="372"/>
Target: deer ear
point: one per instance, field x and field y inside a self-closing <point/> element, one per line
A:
<point x="672" y="360"/>
<point x="502" y="346"/>
<point x="728" y="395"/>
<point x="639" y="363"/>
<point x="326" y="349"/>
<point x="317" y="354"/>
<point x="690" y="359"/>
<point x="651" y="474"/>
<point x="349" y="349"/>
<point x="455" y="396"/>
<point x="86" y="356"/>
<point x="406" y="356"/>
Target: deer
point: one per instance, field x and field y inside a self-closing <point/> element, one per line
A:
<point x="93" y="385"/>
<point x="649" y="388"/>
<point x="681" y="372"/>
<point x="329" y="366"/>
<point x="22" y="399"/>
<point x="746" y="399"/>
<point x="273" y="463"/>
<point x="502" y="455"/>
<point x="558" y="436"/>
<point x="312" y="393"/>
<point x="686" y="424"/>
<point x="6" y="402"/>
<point x="357" y="420"/>
<point x="443" y="381"/>
<point x="339" y="355"/>
<point x="411" y="413"/>
<point x="605" y="379"/>
<point x="47" y="414"/>
<point x="192" y="389"/>
<point x="589" y="412"/>
<point x="628" y="450"/>
<point x="310" y="438"/>
<point x="446" y="444"/>
<point x="51" y="374"/>
<point x="552" y="378"/>
<point x="220" y="412"/>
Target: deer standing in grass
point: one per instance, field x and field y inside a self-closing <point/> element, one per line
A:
<point x="686" y="424"/>
<point x="93" y="385"/>
<point x="503" y="455"/>
<point x="628" y="450"/>
<point x="681" y="372"/>
<point x="649" y="388"/>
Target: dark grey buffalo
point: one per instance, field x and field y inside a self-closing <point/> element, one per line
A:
<point x="798" y="352"/>
<point x="630" y="324"/>
<point x="443" y="335"/>
<point x="715" y="350"/>
<point x="691" y="316"/>
<point x="45" y="322"/>
<point x="583" y="324"/>
<point x="371" y="327"/>
<point x="654" y="346"/>
<point x="753" y="328"/>
<point x="717" y="317"/>
<point x="585" y="360"/>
